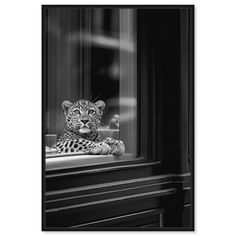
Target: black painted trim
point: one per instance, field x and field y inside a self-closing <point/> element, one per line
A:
<point x="114" y="201"/>
<point x="104" y="187"/>
<point x="120" y="219"/>
<point x="64" y="203"/>
<point x="149" y="6"/>
<point x="97" y="166"/>
<point x="99" y="170"/>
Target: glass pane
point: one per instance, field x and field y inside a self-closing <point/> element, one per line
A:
<point x="91" y="55"/>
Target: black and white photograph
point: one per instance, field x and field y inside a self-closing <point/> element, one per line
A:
<point x="118" y="117"/>
<point x="118" y="107"/>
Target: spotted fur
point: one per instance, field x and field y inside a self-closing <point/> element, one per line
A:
<point x="82" y="120"/>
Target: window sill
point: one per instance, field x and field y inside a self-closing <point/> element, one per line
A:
<point x="72" y="161"/>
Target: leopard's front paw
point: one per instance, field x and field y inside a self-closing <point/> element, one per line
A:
<point x="117" y="146"/>
<point x="101" y="148"/>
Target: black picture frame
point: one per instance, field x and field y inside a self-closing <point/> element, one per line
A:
<point x="164" y="192"/>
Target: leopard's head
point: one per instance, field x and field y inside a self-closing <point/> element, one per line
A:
<point x="83" y="116"/>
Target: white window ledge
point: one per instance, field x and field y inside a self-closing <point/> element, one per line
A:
<point x="78" y="160"/>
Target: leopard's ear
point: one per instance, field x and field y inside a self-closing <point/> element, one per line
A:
<point x="100" y="105"/>
<point x="66" y="105"/>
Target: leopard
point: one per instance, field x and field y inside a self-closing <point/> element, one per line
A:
<point x="82" y="120"/>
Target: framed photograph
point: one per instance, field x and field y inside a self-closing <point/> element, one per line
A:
<point x="117" y="117"/>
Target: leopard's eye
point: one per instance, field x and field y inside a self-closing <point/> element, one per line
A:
<point x="77" y="112"/>
<point x="91" y="112"/>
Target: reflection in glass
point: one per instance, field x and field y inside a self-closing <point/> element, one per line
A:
<point x="91" y="54"/>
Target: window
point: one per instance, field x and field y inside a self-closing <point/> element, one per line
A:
<point x="91" y="54"/>
<point x="138" y="61"/>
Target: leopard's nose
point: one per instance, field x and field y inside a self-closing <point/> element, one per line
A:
<point x="84" y="121"/>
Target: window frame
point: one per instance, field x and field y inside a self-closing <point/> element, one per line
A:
<point x="185" y="98"/>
